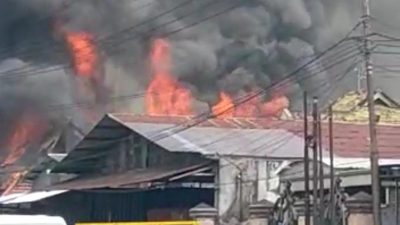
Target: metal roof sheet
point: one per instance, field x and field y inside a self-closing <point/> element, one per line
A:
<point x="273" y="143"/>
<point x="351" y="140"/>
<point x="128" y="179"/>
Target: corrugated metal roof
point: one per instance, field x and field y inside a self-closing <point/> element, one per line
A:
<point x="127" y="179"/>
<point x="350" y="139"/>
<point x="273" y="143"/>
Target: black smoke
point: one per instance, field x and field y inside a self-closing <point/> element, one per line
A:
<point x="252" y="46"/>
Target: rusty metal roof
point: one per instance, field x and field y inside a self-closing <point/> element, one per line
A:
<point x="272" y="143"/>
<point x="350" y="139"/>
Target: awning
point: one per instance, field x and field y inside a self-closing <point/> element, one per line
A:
<point x="31" y="219"/>
<point x="138" y="178"/>
<point x="28" y="197"/>
<point x="10" y="197"/>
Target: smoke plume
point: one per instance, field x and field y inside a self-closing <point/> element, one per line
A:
<point x="249" y="47"/>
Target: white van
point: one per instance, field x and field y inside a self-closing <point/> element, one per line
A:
<point x="31" y="220"/>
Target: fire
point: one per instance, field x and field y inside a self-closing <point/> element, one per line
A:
<point x="253" y="107"/>
<point x="165" y="95"/>
<point x="84" y="53"/>
<point x="248" y="108"/>
<point x="225" y="107"/>
<point x="275" y="106"/>
<point x="26" y="130"/>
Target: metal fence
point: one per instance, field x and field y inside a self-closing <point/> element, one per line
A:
<point x="145" y="223"/>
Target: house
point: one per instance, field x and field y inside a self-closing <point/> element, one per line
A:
<point x="224" y="162"/>
<point x="352" y="107"/>
<point x="132" y="167"/>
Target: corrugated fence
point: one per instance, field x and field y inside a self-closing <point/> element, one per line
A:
<point x="146" y="223"/>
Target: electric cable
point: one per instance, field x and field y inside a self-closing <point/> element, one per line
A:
<point x="125" y="138"/>
<point x="334" y="46"/>
<point x="99" y="40"/>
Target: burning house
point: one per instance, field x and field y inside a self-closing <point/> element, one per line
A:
<point x="68" y="61"/>
<point x="123" y="170"/>
<point x="71" y="62"/>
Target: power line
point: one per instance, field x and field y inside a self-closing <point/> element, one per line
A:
<point x="163" y="130"/>
<point x="284" y="140"/>
<point x="57" y="68"/>
<point x="316" y="58"/>
<point x="140" y="95"/>
<point x="121" y="139"/>
<point x="205" y="116"/>
<point x="49" y="47"/>
<point x="109" y="37"/>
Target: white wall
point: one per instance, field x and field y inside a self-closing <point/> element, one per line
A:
<point x="254" y="185"/>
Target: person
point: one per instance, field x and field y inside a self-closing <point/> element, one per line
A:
<point x="340" y="208"/>
<point x="284" y="211"/>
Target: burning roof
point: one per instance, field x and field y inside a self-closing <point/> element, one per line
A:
<point x="350" y="139"/>
<point x="240" y="137"/>
<point x="75" y="59"/>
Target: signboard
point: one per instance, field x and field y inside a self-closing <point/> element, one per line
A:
<point x="145" y="223"/>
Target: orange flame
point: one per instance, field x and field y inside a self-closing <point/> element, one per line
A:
<point x="84" y="53"/>
<point x="224" y="108"/>
<point x="275" y="106"/>
<point x="26" y="130"/>
<point x="165" y="95"/>
<point x="254" y="107"/>
<point x="248" y="108"/>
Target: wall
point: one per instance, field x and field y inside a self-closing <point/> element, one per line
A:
<point x="123" y="206"/>
<point x="137" y="152"/>
<point x="388" y="211"/>
<point x="254" y="185"/>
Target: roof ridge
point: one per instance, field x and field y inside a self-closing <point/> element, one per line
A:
<point x="238" y="121"/>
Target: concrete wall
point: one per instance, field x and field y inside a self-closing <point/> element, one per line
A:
<point x="254" y="185"/>
<point x="389" y="210"/>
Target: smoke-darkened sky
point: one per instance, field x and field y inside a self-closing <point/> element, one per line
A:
<point x="253" y="45"/>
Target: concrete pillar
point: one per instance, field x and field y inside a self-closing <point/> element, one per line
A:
<point x="260" y="212"/>
<point x="359" y="207"/>
<point x="204" y="214"/>
<point x="300" y="209"/>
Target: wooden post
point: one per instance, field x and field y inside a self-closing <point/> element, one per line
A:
<point x="306" y="164"/>
<point x="321" y="169"/>
<point x="315" y="160"/>
<point x="332" y="168"/>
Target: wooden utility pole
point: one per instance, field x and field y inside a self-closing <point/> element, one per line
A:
<point x="374" y="157"/>
<point x="306" y="163"/>
<point x="321" y="169"/>
<point x="315" y="160"/>
<point x="331" y="172"/>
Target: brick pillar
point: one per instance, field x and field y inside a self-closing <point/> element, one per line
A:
<point x="359" y="207"/>
<point x="204" y="214"/>
<point x="260" y="212"/>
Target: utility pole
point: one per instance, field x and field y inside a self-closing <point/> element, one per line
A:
<point x="306" y="163"/>
<point x="331" y="172"/>
<point x="372" y="118"/>
<point x="321" y="169"/>
<point x="315" y="160"/>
